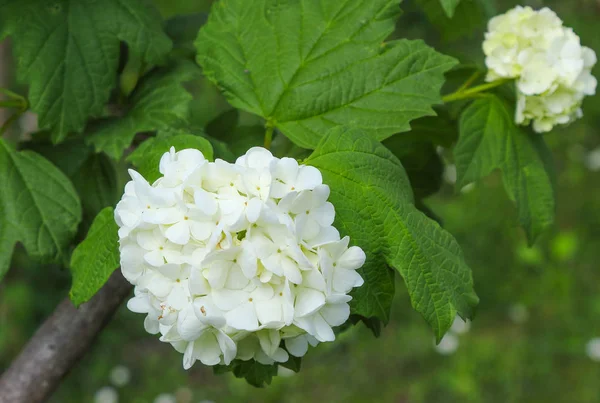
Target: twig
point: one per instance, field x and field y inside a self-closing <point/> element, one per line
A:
<point x="59" y="343"/>
<point x="269" y="135"/>
<point x="469" y="81"/>
<point x="473" y="92"/>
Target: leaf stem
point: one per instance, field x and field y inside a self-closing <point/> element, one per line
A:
<point x="11" y="104"/>
<point x="11" y="94"/>
<point x="269" y="135"/>
<point x="10" y="121"/>
<point x="472" y="92"/>
<point x="469" y="81"/>
<point x="130" y="76"/>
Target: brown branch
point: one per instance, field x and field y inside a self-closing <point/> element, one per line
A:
<point x="59" y="343"/>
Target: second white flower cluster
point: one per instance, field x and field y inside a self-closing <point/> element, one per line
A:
<point x="236" y="261"/>
<point x="552" y="69"/>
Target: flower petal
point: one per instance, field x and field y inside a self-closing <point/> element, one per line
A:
<point x="253" y="209"/>
<point x="344" y="280"/>
<point x="208" y="313"/>
<point x="179" y="233"/>
<point x="205" y="202"/>
<point x="324" y="332"/>
<point x="308" y="301"/>
<point x="335" y="315"/>
<point x="207" y="349"/>
<point x="269" y="312"/>
<point x="228" y="347"/>
<point x="243" y="317"/>
<point x="297" y="346"/>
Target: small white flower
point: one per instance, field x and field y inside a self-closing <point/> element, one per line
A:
<point x="261" y="347"/>
<point x="159" y="249"/>
<point x="339" y="264"/>
<point x="206" y="342"/>
<point x="312" y="212"/>
<point x="177" y="167"/>
<point x="288" y="177"/>
<point x="234" y="261"/>
<point x="319" y="324"/>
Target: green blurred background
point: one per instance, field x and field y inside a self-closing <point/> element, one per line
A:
<point x="532" y="339"/>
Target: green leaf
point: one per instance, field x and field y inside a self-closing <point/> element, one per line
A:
<point x="97" y="184"/>
<point x="147" y="157"/>
<point x="245" y="137"/>
<point x="417" y="152"/>
<point x="221" y="149"/>
<point x="284" y="147"/>
<point x="93" y="175"/>
<point x="373" y="324"/>
<point x="466" y="18"/>
<point x="425" y="209"/>
<point x="293" y="363"/>
<point x="256" y="374"/>
<point x="68" y="53"/>
<point x="308" y="66"/>
<point x="392" y="232"/>
<point x="183" y="29"/>
<point x="489" y="140"/>
<point x="238" y="138"/>
<point x="223" y="124"/>
<point x="449" y="6"/>
<point x="69" y="156"/>
<point x="436" y="130"/>
<point x="423" y="165"/>
<point x="94" y="259"/>
<point x="159" y="102"/>
<point x="38" y="206"/>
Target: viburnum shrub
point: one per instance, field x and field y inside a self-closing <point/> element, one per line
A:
<point x="248" y="243"/>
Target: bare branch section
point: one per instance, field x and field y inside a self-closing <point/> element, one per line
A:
<point x="59" y="343"/>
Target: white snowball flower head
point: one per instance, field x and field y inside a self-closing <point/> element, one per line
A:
<point x="551" y="68"/>
<point x="236" y="261"/>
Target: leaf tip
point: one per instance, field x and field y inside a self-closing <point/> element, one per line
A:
<point x="76" y="300"/>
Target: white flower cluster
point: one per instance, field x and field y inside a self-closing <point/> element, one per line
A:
<point x="552" y="69"/>
<point x="234" y="261"/>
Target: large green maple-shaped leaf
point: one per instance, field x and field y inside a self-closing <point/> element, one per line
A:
<point x="68" y="52"/>
<point x="38" y="206"/>
<point x="94" y="259"/>
<point x="374" y="206"/>
<point x="489" y="140"/>
<point x="310" y="65"/>
<point x="159" y="103"/>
